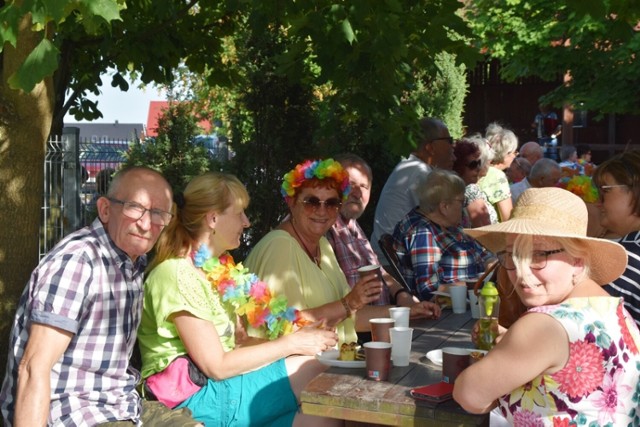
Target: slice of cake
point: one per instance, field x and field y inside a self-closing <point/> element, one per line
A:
<point x="348" y="352"/>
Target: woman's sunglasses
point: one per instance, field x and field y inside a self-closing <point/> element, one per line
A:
<point x="474" y="164"/>
<point x="312" y="204"/>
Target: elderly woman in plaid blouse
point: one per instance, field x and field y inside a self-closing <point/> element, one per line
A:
<point x="430" y="243"/>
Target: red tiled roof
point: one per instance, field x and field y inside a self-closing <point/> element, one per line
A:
<point x="157" y="109"/>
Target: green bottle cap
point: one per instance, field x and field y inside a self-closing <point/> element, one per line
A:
<point x="490" y="294"/>
<point x="489" y="290"/>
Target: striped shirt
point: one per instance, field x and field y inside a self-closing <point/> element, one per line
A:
<point x="91" y="288"/>
<point x="627" y="285"/>
<point x="431" y="255"/>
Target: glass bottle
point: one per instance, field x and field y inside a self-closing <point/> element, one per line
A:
<point x="489" y="302"/>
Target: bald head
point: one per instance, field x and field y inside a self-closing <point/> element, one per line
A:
<point x="545" y="173"/>
<point x="532" y="151"/>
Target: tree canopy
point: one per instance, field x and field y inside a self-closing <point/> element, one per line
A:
<point x="595" y="42"/>
<point x="53" y="53"/>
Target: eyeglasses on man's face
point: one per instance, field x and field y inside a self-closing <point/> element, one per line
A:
<point x="135" y="211"/>
<point x="538" y="259"/>
<point x="449" y="139"/>
<point x="313" y="204"/>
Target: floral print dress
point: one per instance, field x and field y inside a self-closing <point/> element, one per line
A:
<point x="599" y="385"/>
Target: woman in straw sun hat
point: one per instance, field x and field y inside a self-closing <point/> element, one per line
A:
<point x="573" y="357"/>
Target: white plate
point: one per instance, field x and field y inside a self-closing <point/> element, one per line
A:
<point x="330" y="358"/>
<point x="435" y="356"/>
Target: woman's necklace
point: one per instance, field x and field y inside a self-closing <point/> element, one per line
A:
<point x="315" y="259"/>
<point x="249" y="296"/>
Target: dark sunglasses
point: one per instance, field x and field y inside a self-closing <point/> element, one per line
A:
<point x="312" y="204"/>
<point x="475" y="164"/>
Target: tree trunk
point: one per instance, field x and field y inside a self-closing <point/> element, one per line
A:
<point x="25" y="119"/>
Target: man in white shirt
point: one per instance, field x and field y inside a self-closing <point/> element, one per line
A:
<point x="399" y="194"/>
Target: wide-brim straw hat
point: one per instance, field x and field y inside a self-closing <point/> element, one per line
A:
<point x="555" y="212"/>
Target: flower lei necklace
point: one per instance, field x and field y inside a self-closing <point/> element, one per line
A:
<point x="249" y="296"/>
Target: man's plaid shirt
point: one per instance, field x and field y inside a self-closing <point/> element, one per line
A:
<point x="89" y="287"/>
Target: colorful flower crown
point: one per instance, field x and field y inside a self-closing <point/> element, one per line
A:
<point x="320" y="169"/>
<point x="250" y="297"/>
<point x="582" y="186"/>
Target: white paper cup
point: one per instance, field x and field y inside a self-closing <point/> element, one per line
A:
<point x="400" y="315"/>
<point x="401" y="345"/>
<point x="473" y="303"/>
<point x="458" y="298"/>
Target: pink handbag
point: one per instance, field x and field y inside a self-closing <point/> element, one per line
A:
<point x="176" y="383"/>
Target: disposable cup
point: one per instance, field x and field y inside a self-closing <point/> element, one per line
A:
<point x="473" y="303"/>
<point x="454" y="361"/>
<point x="380" y="328"/>
<point x="400" y="315"/>
<point x="458" y="298"/>
<point x="400" y="345"/>
<point x="368" y="269"/>
<point x="378" y="360"/>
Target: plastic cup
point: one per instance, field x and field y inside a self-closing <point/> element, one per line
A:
<point x="378" y="360"/>
<point x="380" y="328"/>
<point x="400" y="315"/>
<point x="473" y="303"/>
<point x="454" y="361"/>
<point x="400" y="345"/>
<point x="458" y="298"/>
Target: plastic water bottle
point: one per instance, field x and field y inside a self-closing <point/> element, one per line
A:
<point x="489" y="302"/>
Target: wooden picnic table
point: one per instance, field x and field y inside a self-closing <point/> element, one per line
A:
<point x="347" y="394"/>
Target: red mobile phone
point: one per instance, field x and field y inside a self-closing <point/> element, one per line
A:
<point x="437" y="392"/>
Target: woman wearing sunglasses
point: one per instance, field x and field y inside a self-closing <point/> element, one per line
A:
<point x="297" y="260"/>
<point x="473" y="156"/>
<point x="574" y="357"/>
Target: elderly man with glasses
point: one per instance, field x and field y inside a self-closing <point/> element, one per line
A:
<point x="76" y="324"/>
<point x="400" y="193"/>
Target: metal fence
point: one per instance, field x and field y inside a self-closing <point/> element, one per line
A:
<point x="75" y="173"/>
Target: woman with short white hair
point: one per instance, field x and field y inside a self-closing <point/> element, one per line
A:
<point x="495" y="184"/>
<point x="430" y="243"/>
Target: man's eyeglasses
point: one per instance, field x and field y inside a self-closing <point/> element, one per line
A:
<point x="538" y="259"/>
<point x="475" y="164"/>
<point x="449" y="139"/>
<point x="135" y="211"/>
<point x="312" y="204"/>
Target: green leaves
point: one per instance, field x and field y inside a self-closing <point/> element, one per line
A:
<point x="348" y="31"/>
<point x="9" y="18"/>
<point x="41" y="62"/>
<point x="593" y="40"/>
<point x="47" y="18"/>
